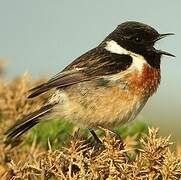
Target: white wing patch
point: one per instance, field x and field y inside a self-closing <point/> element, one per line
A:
<point x="138" y="60"/>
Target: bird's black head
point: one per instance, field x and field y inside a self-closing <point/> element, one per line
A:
<point x="138" y="38"/>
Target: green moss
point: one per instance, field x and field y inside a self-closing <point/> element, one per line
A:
<point x="57" y="132"/>
<point x="132" y="129"/>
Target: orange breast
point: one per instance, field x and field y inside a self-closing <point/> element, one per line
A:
<point x="147" y="81"/>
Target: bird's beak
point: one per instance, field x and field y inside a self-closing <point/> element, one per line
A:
<point x="158" y="51"/>
<point x="161" y="36"/>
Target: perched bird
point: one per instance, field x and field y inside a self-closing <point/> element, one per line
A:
<point x="105" y="87"/>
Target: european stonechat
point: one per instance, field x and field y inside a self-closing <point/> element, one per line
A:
<point x="105" y="87"/>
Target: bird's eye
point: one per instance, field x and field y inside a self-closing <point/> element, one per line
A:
<point x="137" y="39"/>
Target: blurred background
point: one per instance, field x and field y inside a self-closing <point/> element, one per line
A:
<point x="42" y="37"/>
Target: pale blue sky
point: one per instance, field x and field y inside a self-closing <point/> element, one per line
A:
<point x="43" y="36"/>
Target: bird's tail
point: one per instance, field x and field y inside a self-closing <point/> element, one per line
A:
<point x="21" y="126"/>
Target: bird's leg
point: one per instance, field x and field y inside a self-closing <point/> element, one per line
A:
<point x="99" y="146"/>
<point x="95" y="136"/>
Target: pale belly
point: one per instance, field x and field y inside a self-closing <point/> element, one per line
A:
<point x="91" y="106"/>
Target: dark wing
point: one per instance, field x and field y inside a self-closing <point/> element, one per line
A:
<point x="21" y="126"/>
<point x="95" y="63"/>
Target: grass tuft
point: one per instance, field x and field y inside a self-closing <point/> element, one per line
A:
<point x="82" y="159"/>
